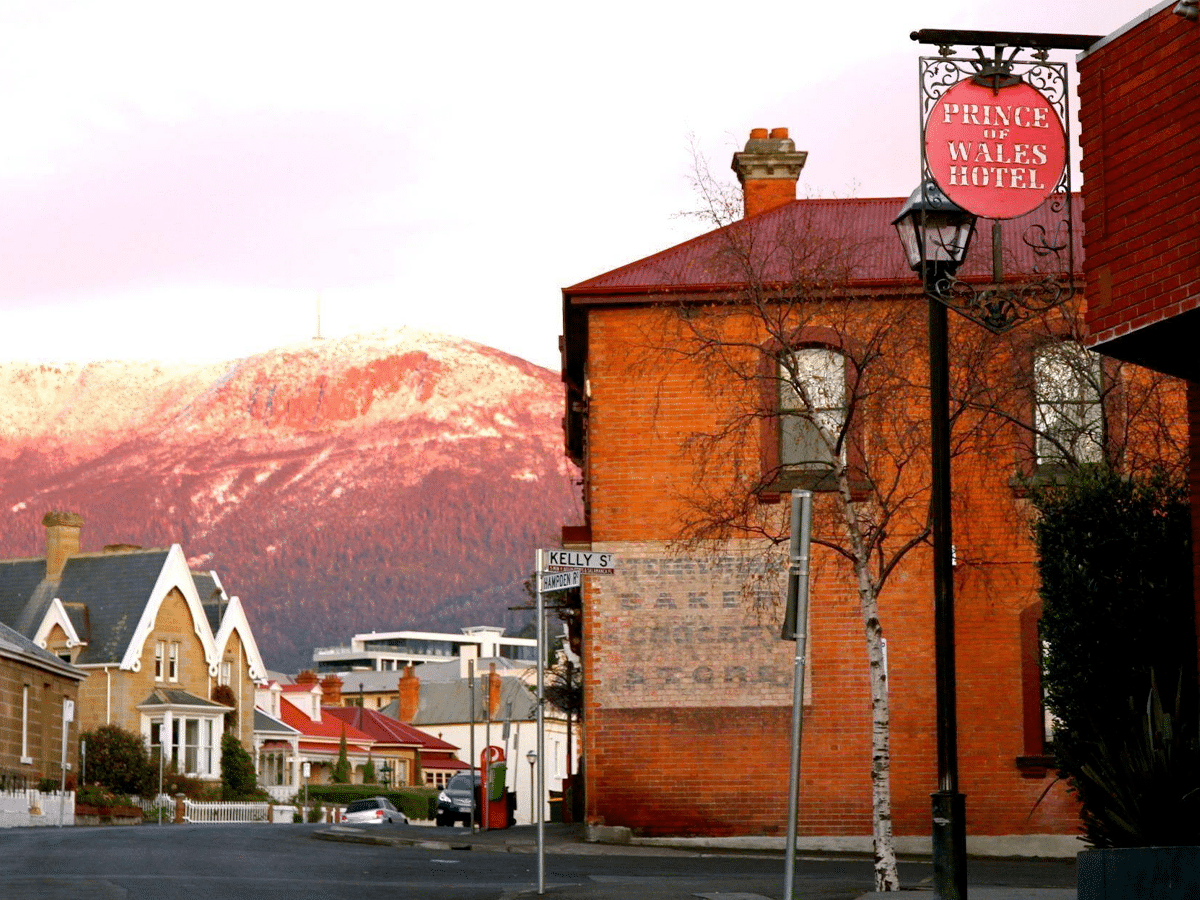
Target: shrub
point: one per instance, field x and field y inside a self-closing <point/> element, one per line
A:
<point x="341" y="768"/>
<point x="315" y="813"/>
<point x="118" y="760"/>
<point x="1117" y="616"/>
<point x="238" y="778"/>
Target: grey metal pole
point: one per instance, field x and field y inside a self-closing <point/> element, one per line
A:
<point x="797" y="606"/>
<point x="539" y="799"/>
<point x="471" y="770"/>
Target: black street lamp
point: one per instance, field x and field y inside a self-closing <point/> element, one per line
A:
<point x="935" y="233"/>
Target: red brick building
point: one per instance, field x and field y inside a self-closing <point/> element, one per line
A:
<point x="1141" y="168"/>
<point x="688" y="688"/>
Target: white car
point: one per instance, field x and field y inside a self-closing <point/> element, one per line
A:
<point x="373" y="811"/>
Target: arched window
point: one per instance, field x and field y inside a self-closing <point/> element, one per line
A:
<point x="1067" y="416"/>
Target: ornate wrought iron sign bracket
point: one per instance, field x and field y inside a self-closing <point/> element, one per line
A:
<point x="994" y="143"/>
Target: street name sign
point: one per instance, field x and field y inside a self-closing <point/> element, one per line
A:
<point x="595" y="563"/>
<point x="560" y="581"/>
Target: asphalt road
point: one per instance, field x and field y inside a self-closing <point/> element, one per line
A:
<point x="263" y="862"/>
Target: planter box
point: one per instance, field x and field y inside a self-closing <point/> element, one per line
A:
<point x="1139" y="873"/>
<point x="107" y="815"/>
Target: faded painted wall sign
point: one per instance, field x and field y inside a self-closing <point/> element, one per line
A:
<point x="678" y="631"/>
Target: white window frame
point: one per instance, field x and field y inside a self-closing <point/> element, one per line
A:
<point x="26" y="759"/>
<point x="160" y="656"/>
<point x="173" y="661"/>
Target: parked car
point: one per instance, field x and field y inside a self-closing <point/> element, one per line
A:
<point x="454" y="802"/>
<point x="372" y="811"/>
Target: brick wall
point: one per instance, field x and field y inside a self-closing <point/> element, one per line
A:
<point x="683" y="735"/>
<point x="1140" y="117"/>
<point x="43" y="721"/>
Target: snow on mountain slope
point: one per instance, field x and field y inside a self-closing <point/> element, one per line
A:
<point x="392" y="480"/>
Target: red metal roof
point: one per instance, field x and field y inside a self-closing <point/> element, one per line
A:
<point x="846" y="241"/>
<point x="385" y="729"/>
<point x="314" y="748"/>
<point x="328" y="727"/>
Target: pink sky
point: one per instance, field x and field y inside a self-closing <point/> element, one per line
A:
<point x="184" y="181"/>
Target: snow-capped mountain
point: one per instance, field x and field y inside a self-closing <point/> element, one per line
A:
<point x="387" y="481"/>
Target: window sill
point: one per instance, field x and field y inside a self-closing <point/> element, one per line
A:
<point x="817" y="482"/>
<point x="1036" y="766"/>
<point x="1045" y="475"/>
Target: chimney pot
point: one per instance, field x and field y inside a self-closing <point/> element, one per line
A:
<point x="493" y="692"/>
<point x="409" y="690"/>
<point x="62" y="539"/>
<point x="331" y="690"/>
<point x="768" y="170"/>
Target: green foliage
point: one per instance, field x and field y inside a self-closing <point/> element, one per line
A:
<point x="369" y="776"/>
<point x="1117" y="617"/>
<point x="341" y="768"/>
<point x="224" y="695"/>
<point x="238" y="778"/>
<point x="118" y="760"/>
<point x="175" y="782"/>
<point x="315" y="813"/>
<point x="100" y="797"/>
<point x="48" y="785"/>
<point x="414" y="802"/>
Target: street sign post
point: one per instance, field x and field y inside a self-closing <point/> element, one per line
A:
<point x="554" y="570"/>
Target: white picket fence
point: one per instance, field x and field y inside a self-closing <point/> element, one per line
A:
<point x="22" y="809"/>
<point x="224" y="811"/>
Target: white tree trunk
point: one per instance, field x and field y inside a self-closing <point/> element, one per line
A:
<point x="886" y="876"/>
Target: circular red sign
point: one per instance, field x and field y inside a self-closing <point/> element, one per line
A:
<point x="998" y="155"/>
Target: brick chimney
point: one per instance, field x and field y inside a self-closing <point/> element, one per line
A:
<point x="62" y="539"/>
<point x="331" y="690"/>
<point x="493" y="691"/>
<point x="410" y="695"/>
<point x="768" y="170"/>
<point x="308" y="678"/>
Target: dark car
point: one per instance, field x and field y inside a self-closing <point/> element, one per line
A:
<point x="454" y="802"/>
<point x="372" y="811"/>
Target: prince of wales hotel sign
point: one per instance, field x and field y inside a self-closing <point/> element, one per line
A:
<point x="994" y="142"/>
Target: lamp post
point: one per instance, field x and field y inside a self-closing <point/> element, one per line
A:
<point x="935" y="233"/>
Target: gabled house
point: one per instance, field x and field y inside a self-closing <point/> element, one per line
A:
<point x="135" y="622"/>
<point x="407" y="752"/>
<point x="38" y="692"/>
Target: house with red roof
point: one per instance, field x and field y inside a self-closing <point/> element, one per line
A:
<point x="688" y="462"/>
<point x="304" y="723"/>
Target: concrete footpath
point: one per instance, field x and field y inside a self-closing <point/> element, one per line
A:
<point x="575" y="839"/>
